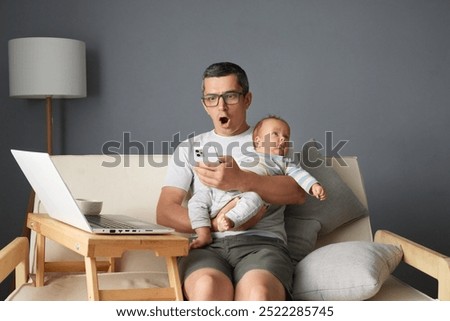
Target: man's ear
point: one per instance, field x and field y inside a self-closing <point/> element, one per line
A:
<point x="248" y="100"/>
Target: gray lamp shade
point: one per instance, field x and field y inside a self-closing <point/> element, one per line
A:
<point x="47" y="67"/>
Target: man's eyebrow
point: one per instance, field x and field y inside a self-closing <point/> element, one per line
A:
<point x="224" y="92"/>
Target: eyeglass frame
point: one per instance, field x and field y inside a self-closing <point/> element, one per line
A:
<point x="239" y="93"/>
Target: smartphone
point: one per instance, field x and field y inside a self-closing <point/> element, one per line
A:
<point x="212" y="157"/>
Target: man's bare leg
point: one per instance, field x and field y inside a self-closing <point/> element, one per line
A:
<point x="208" y="285"/>
<point x="259" y="285"/>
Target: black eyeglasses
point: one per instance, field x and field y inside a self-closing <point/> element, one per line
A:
<point x="230" y="98"/>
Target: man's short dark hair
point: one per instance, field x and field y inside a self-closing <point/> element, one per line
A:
<point x="222" y="69"/>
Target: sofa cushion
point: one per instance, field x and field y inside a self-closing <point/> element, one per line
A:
<point x="305" y="222"/>
<point x="345" y="271"/>
<point x="394" y="289"/>
<point x="72" y="287"/>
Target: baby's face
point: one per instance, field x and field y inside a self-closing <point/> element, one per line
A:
<point x="273" y="137"/>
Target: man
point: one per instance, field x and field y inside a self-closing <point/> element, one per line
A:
<point x="238" y="265"/>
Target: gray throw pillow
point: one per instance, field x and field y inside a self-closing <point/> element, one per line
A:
<point x="305" y="222"/>
<point x="345" y="271"/>
<point x="301" y="236"/>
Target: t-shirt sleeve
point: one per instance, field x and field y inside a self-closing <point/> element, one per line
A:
<point x="301" y="176"/>
<point x="179" y="170"/>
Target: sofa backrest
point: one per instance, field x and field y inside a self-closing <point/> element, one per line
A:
<point x="357" y="230"/>
<point x="131" y="184"/>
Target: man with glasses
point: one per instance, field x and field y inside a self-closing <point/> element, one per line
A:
<point x="252" y="264"/>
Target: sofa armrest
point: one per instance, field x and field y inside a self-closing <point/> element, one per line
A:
<point x="14" y="256"/>
<point x="423" y="259"/>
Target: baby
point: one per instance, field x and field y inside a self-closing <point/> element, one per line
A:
<point x="270" y="137"/>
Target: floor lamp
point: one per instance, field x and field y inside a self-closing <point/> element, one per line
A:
<point x="46" y="68"/>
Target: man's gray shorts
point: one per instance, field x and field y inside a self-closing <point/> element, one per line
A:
<point x="236" y="255"/>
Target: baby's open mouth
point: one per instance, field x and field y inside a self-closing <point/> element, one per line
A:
<point x="224" y="120"/>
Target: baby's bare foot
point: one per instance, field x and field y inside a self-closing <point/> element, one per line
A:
<point x="225" y="224"/>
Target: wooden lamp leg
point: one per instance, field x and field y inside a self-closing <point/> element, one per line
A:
<point x="30" y="207"/>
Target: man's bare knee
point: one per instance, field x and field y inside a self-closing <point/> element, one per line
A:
<point x="208" y="284"/>
<point x="260" y="285"/>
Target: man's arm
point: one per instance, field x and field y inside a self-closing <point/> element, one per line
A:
<point x="277" y="189"/>
<point x="170" y="212"/>
<point x="273" y="189"/>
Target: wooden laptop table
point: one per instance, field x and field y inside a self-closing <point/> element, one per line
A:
<point x="92" y="246"/>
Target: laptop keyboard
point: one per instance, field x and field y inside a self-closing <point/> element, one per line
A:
<point x="107" y="223"/>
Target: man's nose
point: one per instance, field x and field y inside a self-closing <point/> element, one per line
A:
<point x="222" y="104"/>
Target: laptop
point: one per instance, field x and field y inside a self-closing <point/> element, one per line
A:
<point x="53" y="192"/>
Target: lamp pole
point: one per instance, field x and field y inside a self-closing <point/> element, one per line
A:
<point x="48" y="104"/>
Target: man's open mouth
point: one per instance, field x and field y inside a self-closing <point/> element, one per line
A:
<point x="224" y="120"/>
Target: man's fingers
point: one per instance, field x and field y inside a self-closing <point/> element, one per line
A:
<point x="206" y="176"/>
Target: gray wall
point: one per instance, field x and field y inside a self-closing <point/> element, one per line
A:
<point x="376" y="73"/>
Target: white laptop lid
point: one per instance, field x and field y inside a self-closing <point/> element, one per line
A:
<point x="51" y="188"/>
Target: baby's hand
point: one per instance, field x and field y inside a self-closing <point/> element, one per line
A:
<point x="319" y="192"/>
<point x="199" y="243"/>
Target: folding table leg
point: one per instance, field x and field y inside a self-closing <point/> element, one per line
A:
<point x="92" y="279"/>
<point x="40" y="259"/>
<point x="174" y="277"/>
